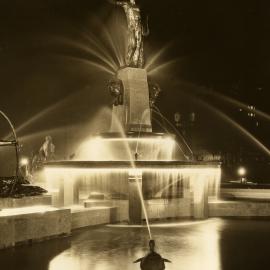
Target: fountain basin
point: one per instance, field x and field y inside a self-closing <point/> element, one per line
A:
<point x="169" y="188"/>
<point x="113" y="146"/>
<point x="125" y="165"/>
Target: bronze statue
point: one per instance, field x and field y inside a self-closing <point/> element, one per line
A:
<point x="154" y="91"/>
<point x="136" y="31"/>
<point x="47" y="149"/>
<point x="115" y="87"/>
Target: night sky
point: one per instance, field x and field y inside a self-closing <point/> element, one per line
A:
<point x="219" y="47"/>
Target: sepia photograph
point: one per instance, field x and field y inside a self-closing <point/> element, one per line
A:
<point x="134" y="134"/>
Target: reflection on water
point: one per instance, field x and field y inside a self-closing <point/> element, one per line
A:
<point x="212" y="245"/>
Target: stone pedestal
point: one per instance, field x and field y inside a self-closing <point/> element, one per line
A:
<point x="135" y="204"/>
<point x="68" y="191"/>
<point x="200" y="199"/>
<point x="134" y="114"/>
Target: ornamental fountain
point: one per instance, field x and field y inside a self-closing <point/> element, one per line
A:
<point x="143" y="173"/>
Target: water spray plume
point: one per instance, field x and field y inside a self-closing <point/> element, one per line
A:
<point x="236" y="125"/>
<point x="160" y="124"/>
<point x="89" y="51"/>
<point x="133" y="165"/>
<point x="110" y="41"/>
<point x="238" y="104"/>
<point x="88" y="62"/>
<point x="38" y="117"/>
<point x="155" y="57"/>
<point x="162" y="66"/>
<point x="98" y="143"/>
<point x="223" y="98"/>
<point x="156" y="110"/>
<point x="98" y="45"/>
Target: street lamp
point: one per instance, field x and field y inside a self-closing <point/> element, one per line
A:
<point x="242" y="173"/>
<point x="24" y="161"/>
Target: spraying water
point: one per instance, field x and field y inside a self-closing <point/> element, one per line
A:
<point x="133" y="165"/>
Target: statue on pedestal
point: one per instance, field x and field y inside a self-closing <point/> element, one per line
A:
<point x="136" y="31"/>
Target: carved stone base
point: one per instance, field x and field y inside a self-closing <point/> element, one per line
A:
<point x="134" y="114"/>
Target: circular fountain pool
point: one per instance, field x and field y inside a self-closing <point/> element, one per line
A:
<point x="216" y="244"/>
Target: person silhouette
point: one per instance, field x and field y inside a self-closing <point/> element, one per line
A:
<point x="152" y="260"/>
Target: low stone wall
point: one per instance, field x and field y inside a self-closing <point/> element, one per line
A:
<point x="122" y="207"/>
<point x="33" y="225"/>
<point x="25" y="201"/>
<point x="156" y="208"/>
<point x="239" y="209"/>
<point x="256" y="194"/>
<point x="93" y="216"/>
<point x="21" y="225"/>
<point x="168" y="208"/>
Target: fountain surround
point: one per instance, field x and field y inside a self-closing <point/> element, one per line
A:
<point x="134" y="166"/>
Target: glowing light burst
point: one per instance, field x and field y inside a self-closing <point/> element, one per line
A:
<point x="24" y="161"/>
<point x="241" y="171"/>
<point x="26" y="210"/>
<point x="135" y="139"/>
<point x="59" y="170"/>
<point x="163" y="225"/>
<point x="102" y="148"/>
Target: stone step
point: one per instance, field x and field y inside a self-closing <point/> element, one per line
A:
<point x="97" y="203"/>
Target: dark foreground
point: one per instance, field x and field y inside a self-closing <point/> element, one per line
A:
<point x="211" y="245"/>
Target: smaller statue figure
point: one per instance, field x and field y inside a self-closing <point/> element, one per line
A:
<point x="116" y="89"/>
<point x="154" y="91"/>
<point x="48" y="149"/>
<point x="152" y="261"/>
<point x="136" y="31"/>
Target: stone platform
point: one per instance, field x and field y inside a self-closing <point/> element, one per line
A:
<point x="36" y="223"/>
<point x="169" y="208"/>
<point x="85" y="217"/>
<point x="245" y="194"/>
<point x="239" y="209"/>
<point x="25" y="201"/>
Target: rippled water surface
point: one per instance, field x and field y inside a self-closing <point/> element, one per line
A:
<point x="210" y="245"/>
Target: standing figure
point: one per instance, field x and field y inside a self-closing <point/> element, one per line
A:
<point x="47" y="149"/>
<point x="136" y="31"/>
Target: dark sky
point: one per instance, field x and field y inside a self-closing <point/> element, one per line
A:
<point x="221" y="46"/>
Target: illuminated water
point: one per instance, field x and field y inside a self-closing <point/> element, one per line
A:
<point x="215" y="244"/>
